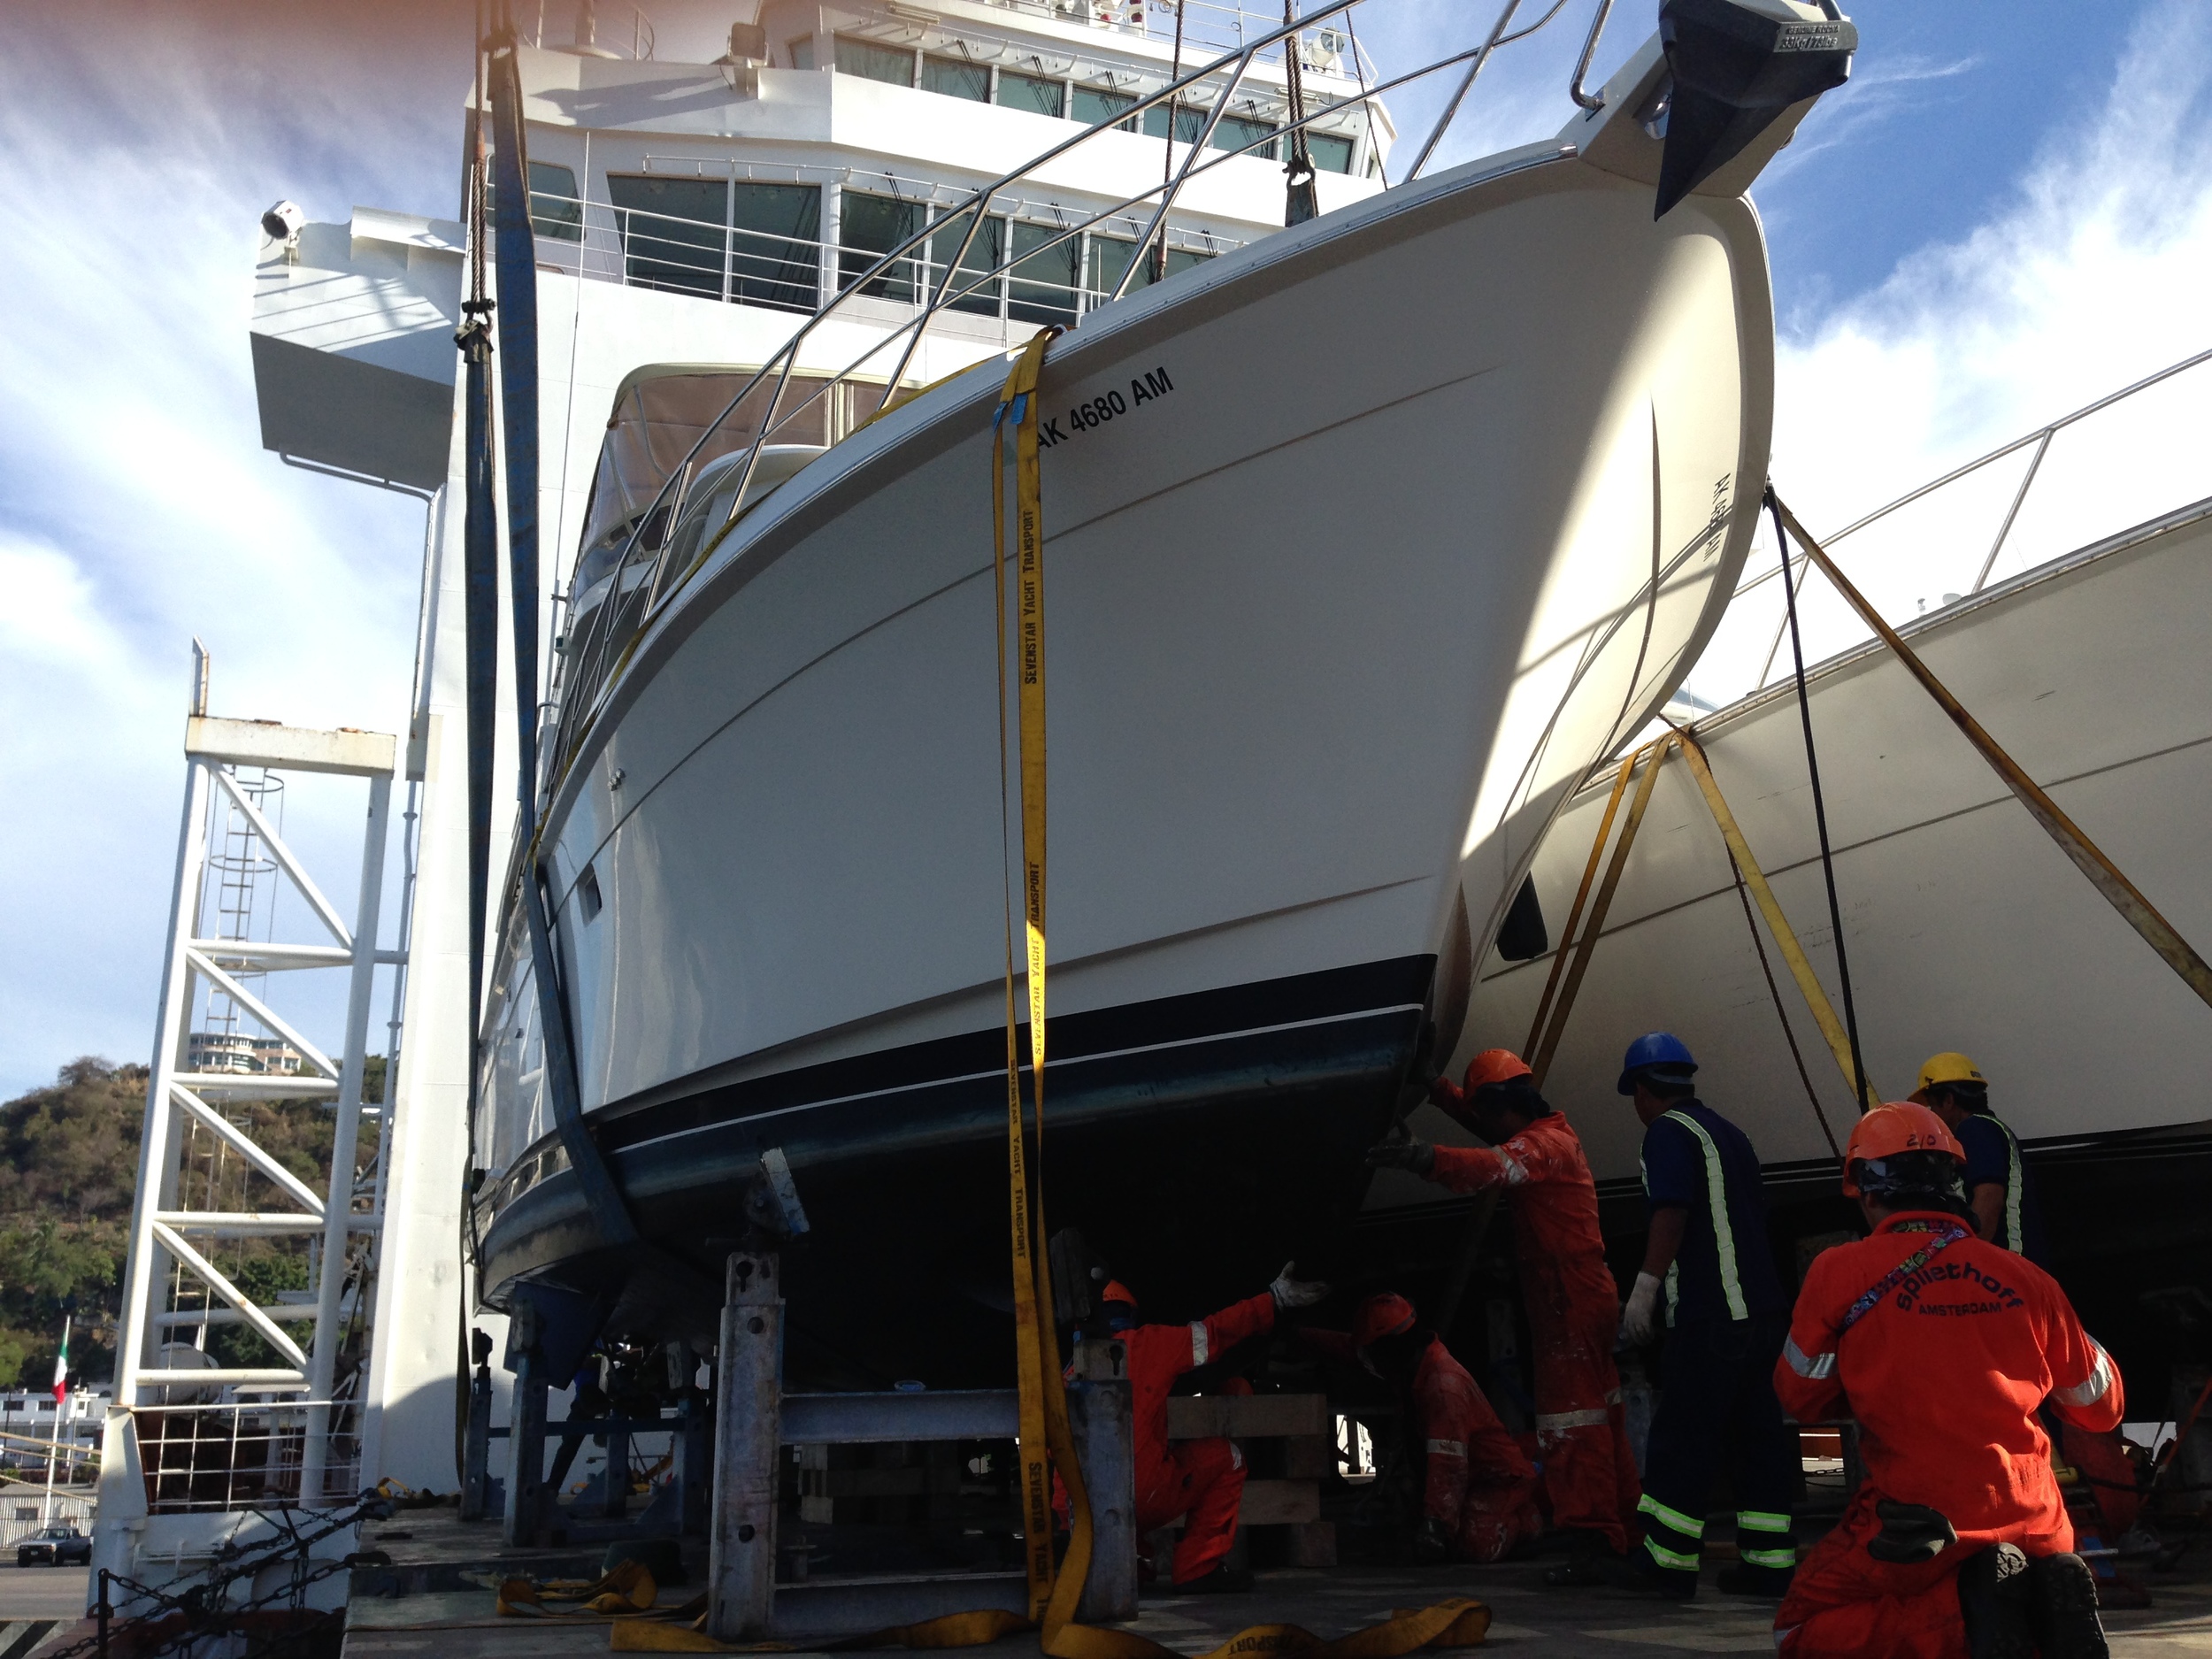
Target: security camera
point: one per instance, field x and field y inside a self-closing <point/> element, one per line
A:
<point x="282" y="222"/>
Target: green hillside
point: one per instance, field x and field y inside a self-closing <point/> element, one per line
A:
<point x="68" y="1167"/>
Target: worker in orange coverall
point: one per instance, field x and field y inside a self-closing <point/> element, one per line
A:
<point x="1201" y="1480"/>
<point x="1944" y="1347"/>
<point x="1573" y="1306"/>
<point x="1478" y="1493"/>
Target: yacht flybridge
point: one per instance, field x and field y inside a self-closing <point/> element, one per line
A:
<point x="1328" y="647"/>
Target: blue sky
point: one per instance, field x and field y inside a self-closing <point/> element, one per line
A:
<point x="2007" y="213"/>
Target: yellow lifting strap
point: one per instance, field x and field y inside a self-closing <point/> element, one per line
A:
<point x="1582" y="897"/>
<point x="2123" y="894"/>
<point x="1778" y="925"/>
<point x="1043" y="1403"/>
<point x="1046" y="1444"/>
<point x="1547" y="1045"/>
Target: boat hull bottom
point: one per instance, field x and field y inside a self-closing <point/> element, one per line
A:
<point x="1197" y="1143"/>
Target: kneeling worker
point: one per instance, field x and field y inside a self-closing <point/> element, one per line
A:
<point x="1726" y="1316"/>
<point x="1478" y="1493"/>
<point x="1536" y="1158"/>
<point x="1202" y="1480"/>
<point x="1944" y="1347"/>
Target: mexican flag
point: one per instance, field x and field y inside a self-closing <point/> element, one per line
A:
<point x="61" y="1365"/>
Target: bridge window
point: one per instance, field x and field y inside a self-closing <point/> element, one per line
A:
<point x="869" y="227"/>
<point x="1110" y="258"/>
<point x="957" y="78"/>
<point x="1188" y="123"/>
<point x="1234" y="131"/>
<point x="756" y="244"/>
<point x="1032" y="93"/>
<point x="1044" y="278"/>
<point x="556" y="211"/>
<point x="892" y="65"/>
<point x="1095" y="106"/>
<point x="1332" y="152"/>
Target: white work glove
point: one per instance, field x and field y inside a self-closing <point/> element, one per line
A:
<point x="1296" y="1293"/>
<point x="1639" y="1323"/>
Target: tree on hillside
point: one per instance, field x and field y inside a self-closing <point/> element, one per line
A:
<point x="68" y="1169"/>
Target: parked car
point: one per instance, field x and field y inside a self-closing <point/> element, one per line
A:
<point x="55" y="1547"/>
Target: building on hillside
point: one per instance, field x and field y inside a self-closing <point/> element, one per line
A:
<point x="234" y="1051"/>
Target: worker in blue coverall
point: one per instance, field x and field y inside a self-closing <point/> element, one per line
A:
<point x="1725" y="1317"/>
<point x="1998" y="1185"/>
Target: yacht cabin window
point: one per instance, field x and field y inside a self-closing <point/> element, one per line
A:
<point x="803" y="52"/>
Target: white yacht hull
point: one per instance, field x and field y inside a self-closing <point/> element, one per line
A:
<point x="1354" y="584"/>
<point x="1967" y="928"/>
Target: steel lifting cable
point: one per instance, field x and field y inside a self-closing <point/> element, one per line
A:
<point x="2103" y="874"/>
<point x="1301" y="202"/>
<point x="1820" y="815"/>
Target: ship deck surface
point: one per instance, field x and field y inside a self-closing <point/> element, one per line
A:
<point x="1528" y="1619"/>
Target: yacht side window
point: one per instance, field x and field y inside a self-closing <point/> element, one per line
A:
<point x="803" y="52"/>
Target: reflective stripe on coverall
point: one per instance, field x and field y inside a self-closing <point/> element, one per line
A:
<point x="1716" y="1406"/>
<point x="1479" y="1485"/>
<point x="1945" y="1371"/>
<point x="1202" y="1480"/>
<point x="1573" y="1311"/>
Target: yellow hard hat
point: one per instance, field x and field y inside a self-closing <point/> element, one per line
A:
<point x="1949" y="1068"/>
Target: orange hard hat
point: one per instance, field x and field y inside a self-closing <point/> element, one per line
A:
<point x="1386" y="1313"/>
<point x="1116" y="1291"/>
<point x="1898" y="1126"/>
<point x="1495" y="1065"/>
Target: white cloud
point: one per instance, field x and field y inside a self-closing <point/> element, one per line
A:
<point x="137" y="508"/>
<point x="2090" y="276"/>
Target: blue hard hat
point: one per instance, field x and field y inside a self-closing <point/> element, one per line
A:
<point x="1660" y="1050"/>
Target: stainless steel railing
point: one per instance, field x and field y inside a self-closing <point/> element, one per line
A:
<point x="1969" y="476"/>
<point x="593" y="658"/>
